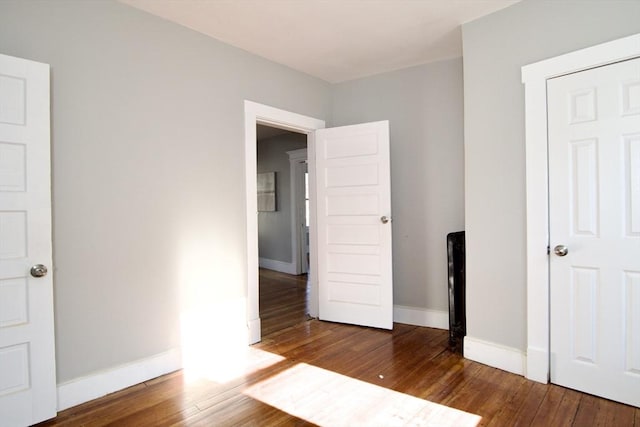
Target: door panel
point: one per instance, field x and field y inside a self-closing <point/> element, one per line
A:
<point x="632" y="322"/>
<point x="354" y="245"/>
<point x="27" y="364"/>
<point x="632" y="184"/>
<point x="594" y="165"/>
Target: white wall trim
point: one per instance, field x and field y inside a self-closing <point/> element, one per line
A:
<point x="254" y="327"/>
<point x="281" y="266"/>
<point x="295" y="158"/>
<point x="254" y="114"/>
<point x="93" y="386"/>
<point x="535" y="77"/>
<point x="501" y="357"/>
<point x="421" y="317"/>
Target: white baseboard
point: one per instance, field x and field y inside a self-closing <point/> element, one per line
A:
<point x="537" y="365"/>
<point x="421" y="317"/>
<point x="281" y="266"/>
<point x="254" y="331"/>
<point x="91" y="387"/>
<point x="492" y="354"/>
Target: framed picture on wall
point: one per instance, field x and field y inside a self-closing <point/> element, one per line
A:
<point x="267" y="192"/>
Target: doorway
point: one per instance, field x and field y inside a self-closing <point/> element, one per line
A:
<point x="262" y="114"/>
<point x="282" y="225"/>
<point x="349" y="222"/>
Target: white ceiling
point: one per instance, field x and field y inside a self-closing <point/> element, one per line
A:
<point x="334" y="40"/>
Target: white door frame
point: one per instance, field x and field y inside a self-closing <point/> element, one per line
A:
<point x="296" y="175"/>
<point x="535" y="77"/>
<point x="255" y="114"/>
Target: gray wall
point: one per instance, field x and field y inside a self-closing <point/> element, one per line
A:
<point x="495" y="48"/>
<point x="274" y="228"/>
<point x="148" y="170"/>
<point x="424" y="107"/>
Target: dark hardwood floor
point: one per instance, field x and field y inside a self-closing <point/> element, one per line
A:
<point x="284" y="300"/>
<point x="320" y="373"/>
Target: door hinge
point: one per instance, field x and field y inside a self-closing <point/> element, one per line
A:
<point x="548" y="250"/>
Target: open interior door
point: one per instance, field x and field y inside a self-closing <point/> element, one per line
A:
<point x="27" y="359"/>
<point x="353" y="191"/>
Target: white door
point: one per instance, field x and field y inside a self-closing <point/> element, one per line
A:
<point x="594" y="180"/>
<point x="27" y="363"/>
<point x="353" y="225"/>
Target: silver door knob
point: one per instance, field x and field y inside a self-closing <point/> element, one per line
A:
<point x="384" y="219"/>
<point x="561" y="250"/>
<point x="39" y="270"/>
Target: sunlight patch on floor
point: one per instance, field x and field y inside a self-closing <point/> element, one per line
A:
<point x="329" y="399"/>
<point x="214" y="345"/>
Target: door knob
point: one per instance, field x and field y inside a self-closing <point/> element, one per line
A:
<point x="561" y="250"/>
<point x="384" y="219"/>
<point x="39" y="270"/>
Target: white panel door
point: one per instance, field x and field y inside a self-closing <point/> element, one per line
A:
<point x="594" y="180"/>
<point x="353" y="225"/>
<point x="27" y="364"/>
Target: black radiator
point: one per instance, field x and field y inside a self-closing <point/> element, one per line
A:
<point x="457" y="317"/>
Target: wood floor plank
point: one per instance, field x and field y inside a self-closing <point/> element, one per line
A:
<point x="472" y="396"/>
<point x="511" y="406"/>
<point x="498" y="393"/>
<point x="529" y="408"/>
<point x="391" y="367"/>
<point x="427" y="378"/>
<point x="452" y="381"/>
<point x="587" y="410"/>
<point x="566" y="411"/>
<point x="549" y="406"/>
<point x="306" y="370"/>
<point x="615" y="414"/>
